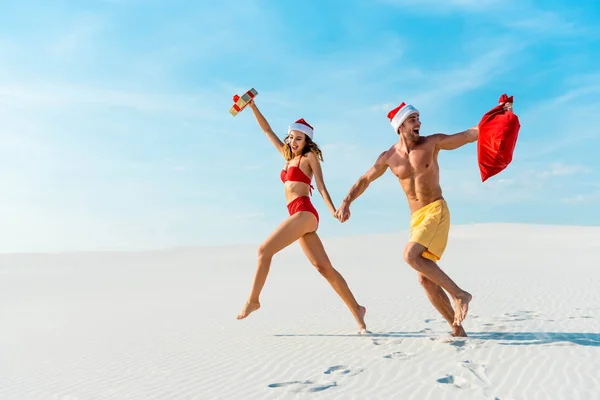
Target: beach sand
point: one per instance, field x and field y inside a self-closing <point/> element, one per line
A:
<point x="162" y="324"/>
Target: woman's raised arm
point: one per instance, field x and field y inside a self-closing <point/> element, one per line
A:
<point x="264" y="125"/>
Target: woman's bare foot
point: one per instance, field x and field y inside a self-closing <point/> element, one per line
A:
<point x="248" y="308"/>
<point x="360" y="318"/>
<point x="461" y="307"/>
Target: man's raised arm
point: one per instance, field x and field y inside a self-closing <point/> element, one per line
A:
<point x="454" y="141"/>
<point x="380" y="166"/>
<point x="451" y="142"/>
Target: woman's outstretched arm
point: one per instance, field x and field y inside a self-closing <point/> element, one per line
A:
<point x="264" y="125"/>
<point x="316" y="167"/>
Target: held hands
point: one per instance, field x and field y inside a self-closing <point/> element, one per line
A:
<point x="343" y="213"/>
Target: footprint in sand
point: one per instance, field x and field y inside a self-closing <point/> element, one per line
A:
<point x="456" y="381"/>
<point x="491" y="326"/>
<point x="520" y="316"/>
<point x="399" y="355"/>
<point x="318" y="385"/>
<point x="478" y="370"/>
<point x="458" y="344"/>
<point x="342" y="370"/>
<point x="305" y="386"/>
<point x="443" y="321"/>
<point x="379" y="342"/>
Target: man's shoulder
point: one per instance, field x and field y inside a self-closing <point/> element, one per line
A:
<point x="431" y="140"/>
<point x="386" y="154"/>
<point x="432" y="137"/>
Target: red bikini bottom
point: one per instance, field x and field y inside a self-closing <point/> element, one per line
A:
<point x="302" y="203"/>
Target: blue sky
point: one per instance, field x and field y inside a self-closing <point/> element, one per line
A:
<point x="115" y="131"/>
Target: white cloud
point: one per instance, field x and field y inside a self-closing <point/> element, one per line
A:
<point x="78" y="38"/>
<point x="582" y="198"/>
<point x="69" y="95"/>
<point x="468" y="76"/>
<point x="444" y="6"/>
<point x="36" y="227"/>
<point x="346" y="150"/>
<point x="542" y="22"/>
<point x="516" y="15"/>
<point x="562" y="122"/>
<point x="435" y="94"/>
<point x="559" y="169"/>
<point x="572" y="95"/>
<point x="178" y="168"/>
<point x="511" y="185"/>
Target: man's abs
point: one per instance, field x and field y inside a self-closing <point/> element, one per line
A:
<point x="419" y="194"/>
<point x="418" y="173"/>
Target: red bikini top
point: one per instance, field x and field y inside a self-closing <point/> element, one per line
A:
<point x="295" y="174"/>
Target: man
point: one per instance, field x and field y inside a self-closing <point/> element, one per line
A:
<point x="414" y="161"/>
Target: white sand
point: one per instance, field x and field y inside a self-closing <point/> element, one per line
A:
<point x="161" y="325"/>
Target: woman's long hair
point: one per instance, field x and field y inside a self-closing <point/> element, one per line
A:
<point x="308" y="147"/>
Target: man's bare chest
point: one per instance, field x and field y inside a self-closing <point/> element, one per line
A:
<point x="415" y="163"/>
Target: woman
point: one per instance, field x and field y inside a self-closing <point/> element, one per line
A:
<point x="302" y="160"/>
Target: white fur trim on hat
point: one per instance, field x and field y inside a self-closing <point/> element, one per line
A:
<point x="302" y="126"/>
<point x="398" y="115"/>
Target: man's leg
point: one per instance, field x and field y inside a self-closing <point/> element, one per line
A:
<point x="413" y="256"/>
<point x="441" y="302"/>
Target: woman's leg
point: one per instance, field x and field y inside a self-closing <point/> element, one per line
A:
<point x="313" y="248"/>
<point x="287" y="233"/>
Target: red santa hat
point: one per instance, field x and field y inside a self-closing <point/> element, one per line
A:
<point x="399" y="114"/>
<point x="302" y="126"/>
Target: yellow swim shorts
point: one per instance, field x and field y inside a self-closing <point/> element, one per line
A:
<point x="429" y="226"/>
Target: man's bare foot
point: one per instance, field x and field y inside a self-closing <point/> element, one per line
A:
<point x="461" y="307"/>
<point x="248" y="308"/>
<point x="458" y="331"/>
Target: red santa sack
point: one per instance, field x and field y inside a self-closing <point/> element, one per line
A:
<point x="498" y="132"/>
